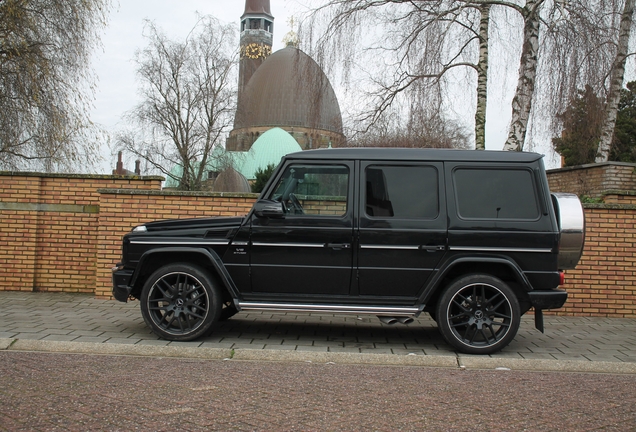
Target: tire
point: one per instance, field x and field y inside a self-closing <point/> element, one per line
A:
<point x="478" y="314"/>
<point x="180" y="302"/>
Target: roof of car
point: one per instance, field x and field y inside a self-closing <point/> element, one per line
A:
<point x="416" y="154"/>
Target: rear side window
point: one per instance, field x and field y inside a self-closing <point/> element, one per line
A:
<point x="402" y="192"/>
<point x="495" y="194"/>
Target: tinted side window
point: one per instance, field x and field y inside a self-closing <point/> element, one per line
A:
<point x="314" y="190"/>
<point x="403" y="192"/>
<point x="495" y="194"/>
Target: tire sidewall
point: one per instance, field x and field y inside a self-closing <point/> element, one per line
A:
<point x="450" y="292"/>
<point x="212" y="291"/>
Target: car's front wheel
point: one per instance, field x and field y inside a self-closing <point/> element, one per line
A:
<point x="180" y="302"/>
<point x="478" y="314"/>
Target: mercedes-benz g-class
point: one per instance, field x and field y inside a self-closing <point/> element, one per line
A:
<point x="472" y="237"/>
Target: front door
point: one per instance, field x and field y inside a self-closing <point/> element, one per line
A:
<point x="309" y="250"/>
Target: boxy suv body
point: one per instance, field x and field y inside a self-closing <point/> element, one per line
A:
<point x="472" y="237"/>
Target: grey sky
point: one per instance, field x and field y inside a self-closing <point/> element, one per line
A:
<point x="117" y="87"/>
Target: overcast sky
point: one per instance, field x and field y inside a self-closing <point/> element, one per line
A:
<point x="117" y="87"/>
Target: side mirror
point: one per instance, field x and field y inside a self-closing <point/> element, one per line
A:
<point x="269" y="209"/>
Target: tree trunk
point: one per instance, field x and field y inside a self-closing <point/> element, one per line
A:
<point x="522" y="101"/>
<point x="482" y="79"/>
<point x="616" y="83"/>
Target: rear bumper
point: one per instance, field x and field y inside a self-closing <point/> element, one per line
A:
<point x="121" y="278"/>
<point x="552" y="299"/>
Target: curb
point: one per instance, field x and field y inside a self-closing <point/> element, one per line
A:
<point x="346" y="358"/>
<point x="6" y="343"/>
<point x="460" y="362"/>
<point x="542" y="365"/>
<point x="115" y="349"/>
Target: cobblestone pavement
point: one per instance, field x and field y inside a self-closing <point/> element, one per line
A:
<point x="77" y="318"/>
<point x="76" y="392"/>
<point x="326" y="376"/>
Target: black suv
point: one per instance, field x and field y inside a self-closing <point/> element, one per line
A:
<point x="474" y="238"/>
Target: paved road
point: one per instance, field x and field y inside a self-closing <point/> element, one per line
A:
<point x="80" y="323"/>
<point x="329" y="373"/>
<point x="76" y="392"/>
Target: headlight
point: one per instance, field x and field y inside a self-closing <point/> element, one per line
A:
<point x="140" y="228"/>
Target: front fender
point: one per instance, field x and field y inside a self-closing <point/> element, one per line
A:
<point x="208" y="255"/>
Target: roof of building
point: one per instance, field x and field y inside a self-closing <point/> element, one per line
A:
<point x="268" y="149"/>
<point x="230" y="180"/>
<point x="257" y="7"/>
<point x="290" y="90"/>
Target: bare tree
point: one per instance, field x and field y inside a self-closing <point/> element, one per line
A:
<point x="575" y="52"/>
<point x="413" y="126"/>
<point x="570" y="49"/>
<point x="430" y="40"/>
<point x="482" y="78"/>
<point x="46" y="82"/>
<point x="522" y="101"/>
<point x="616" y="82"/>
<point x="188" y="101"/>
<point x="406" y="49"/>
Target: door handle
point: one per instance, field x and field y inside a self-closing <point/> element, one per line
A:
<point x="434" y="248"/>
<point x="338" y="246"/>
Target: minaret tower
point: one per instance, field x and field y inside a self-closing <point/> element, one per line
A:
<point x="257" y="32"/>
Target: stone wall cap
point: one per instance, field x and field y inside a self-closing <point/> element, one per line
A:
<point x="79" y="176"/>
<point x="175" y="193"/>
<point x="609" y="206"/>
<point x="619" y="192"/>
<point x="592" y="165"/>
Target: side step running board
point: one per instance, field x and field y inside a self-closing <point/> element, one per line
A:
<point x="344" y="309"/>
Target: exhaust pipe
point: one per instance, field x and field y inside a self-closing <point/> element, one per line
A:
<point x="388" y="320"/>
<point x="392" y="320"/>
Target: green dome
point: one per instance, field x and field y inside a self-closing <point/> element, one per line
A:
<point x="218" y="161"/>
<point x="175" y="173"/>
<point x="268" y="149"/>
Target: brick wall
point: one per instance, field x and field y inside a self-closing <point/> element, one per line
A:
<point x="120" y="210"/>
<point x="48" y="228"/>
<point x="18" y="227"/>
<point x="63" y="233"/>
<point x="593" y="180"/>
<point x="604" y="281"/>
<point x="316" y="206"/>
<point x="620" y="197"/>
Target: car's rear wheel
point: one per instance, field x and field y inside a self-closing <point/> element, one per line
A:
<point x="478" y="314"/>
<point x="180" y="302"/>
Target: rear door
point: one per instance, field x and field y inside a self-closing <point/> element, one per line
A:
<point x="500" y="211"/>
<point x="402" y="234"/>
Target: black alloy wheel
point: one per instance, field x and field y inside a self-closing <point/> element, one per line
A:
<point x="180" y="302"/>
<point x="478" y="314"/>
